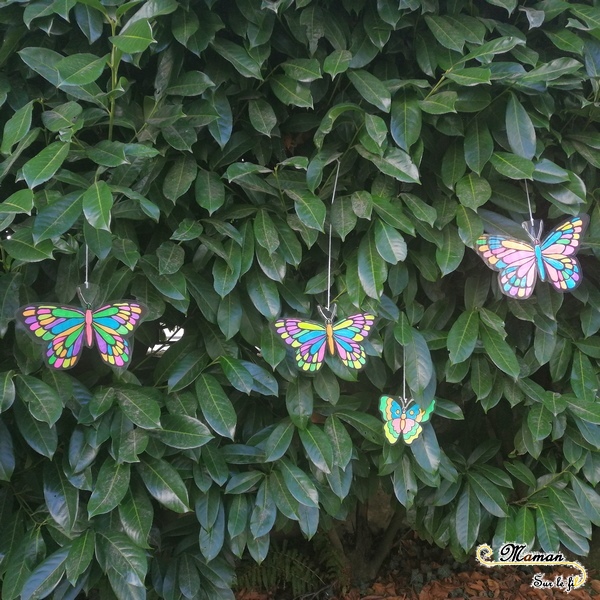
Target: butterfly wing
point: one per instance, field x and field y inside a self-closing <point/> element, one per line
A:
<point x="558" y="253"/>
<point x="309" y="340"/>
<point x="416" y="415"/>
<point x="392" y="412"/>
<point x="403" y="419"/>
<point x="347" y="333"/>
<point x="62" y="328"/>
<point x="514" y="260"/>
<point x="112" y="325"/>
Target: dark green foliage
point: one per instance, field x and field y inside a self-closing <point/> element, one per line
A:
<point x="293" y="570"/>
<point x="193" y="147"/>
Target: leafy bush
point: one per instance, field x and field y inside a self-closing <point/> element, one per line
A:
<point x="193" y="147"/>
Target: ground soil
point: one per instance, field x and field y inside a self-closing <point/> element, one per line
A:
<point x="418" y="571"/>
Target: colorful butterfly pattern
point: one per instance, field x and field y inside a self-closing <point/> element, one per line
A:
<point x="519" y="263"/>
<point x="311" y="339"/>
<point x="65" y="329"/>
<point x="403" y="418"/>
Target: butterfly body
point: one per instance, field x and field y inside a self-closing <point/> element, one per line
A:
<point x="403" y="418"/>
<point x="312" y="340"/>
<point x="66" y="329"/>
<point x="520" y="263"/>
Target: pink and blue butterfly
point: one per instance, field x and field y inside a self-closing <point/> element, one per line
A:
<point x="402" y="418"/>
<point x="311" y="340"/>
<point x="519" y="263"/>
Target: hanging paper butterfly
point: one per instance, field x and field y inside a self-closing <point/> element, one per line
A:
<point x="65" y="329"/>
<point x="311" y="339"/>
<point x="403" y="418"/>
<point x="519" y="263"/>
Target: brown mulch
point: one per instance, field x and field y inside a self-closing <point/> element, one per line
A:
<point x="427" y="573"/>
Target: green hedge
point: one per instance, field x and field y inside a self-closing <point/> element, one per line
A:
<point x="193" y="146"/>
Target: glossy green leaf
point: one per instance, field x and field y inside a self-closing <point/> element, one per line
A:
<point x="317" y="446"/>
<point x="479" y="146"/>
<point x="16" y="128"/>
<point x="468" y="514"/>
<point x="134" y="38"/>
<point x="7" y="390"/>
<point x="40" y="436"/>
<point x="519" y="129"/>
<point x="17" y="203"/>
<point x="451" y="252"/>
<point x="97" y="203"/>
<point x="337" y="62"/>
<point x="445" y="32"/>
<point x="140" y="407"/>
<point x="80" y="555"/>
<point x="44" y="165"/>
<point x="164" y="483"/>
<point x="500" y="352"/>
<point x="390" y="244"/>
<point x="182" y="431"/>
<point x="117" y="553"/>
<point x="299" y="402"/>
<point x="209" y="191"/>
<point x="291" y="92"/>
<point x="462" y="336"/>
<point x="56" y="218"/>
<point x="191" y="83"/>
<point x="340" y="441"/>
<point x="512" y="166"/>
<point x="46" y="576"/>
<point x="279" y="440"/>
<point x="9" y="303"/>
<point x="263" y="292"/>
<point x="80" y="69"/>
<point x="216" y="406"/>
<point x="298" y="484"/>
<point x="62" y="499"/>
<point x="473" y="191"/>
<point x="179" y="178"/>
<point x="372" y="270"/>
<point x="241" y="60"/>
<point x="43" y="402"/>
<point x="309" y="208"/>
<point x="264" y="513"/>
<point x="405" y="122"/>
<point x="108" y="153"/>
<point x="111" y="486"/>
<point x="239" y="377"/>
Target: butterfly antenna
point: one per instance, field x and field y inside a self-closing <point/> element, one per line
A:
<point x="337" y="174"/>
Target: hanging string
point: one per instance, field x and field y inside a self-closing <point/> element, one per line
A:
<point x="404" y="373"/>
<point x="87" y="267"/>
<point x="529" y="205"/>
<point x="329" y="251"/>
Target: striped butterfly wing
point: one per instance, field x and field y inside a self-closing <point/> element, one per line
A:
<point x="308" y="338"/>
<point x="558" y="251"/>
<point x="514" y="260"/>
<point x="112" y="325"/>
<point x="61" y="328"/>
<point x="347" y="335"/>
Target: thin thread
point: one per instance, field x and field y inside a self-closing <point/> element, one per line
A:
<point x="337" y="173"/>
<point x="404" y="373"/>
<point x="529" y="205"/>
<point x="87" y="267"/>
